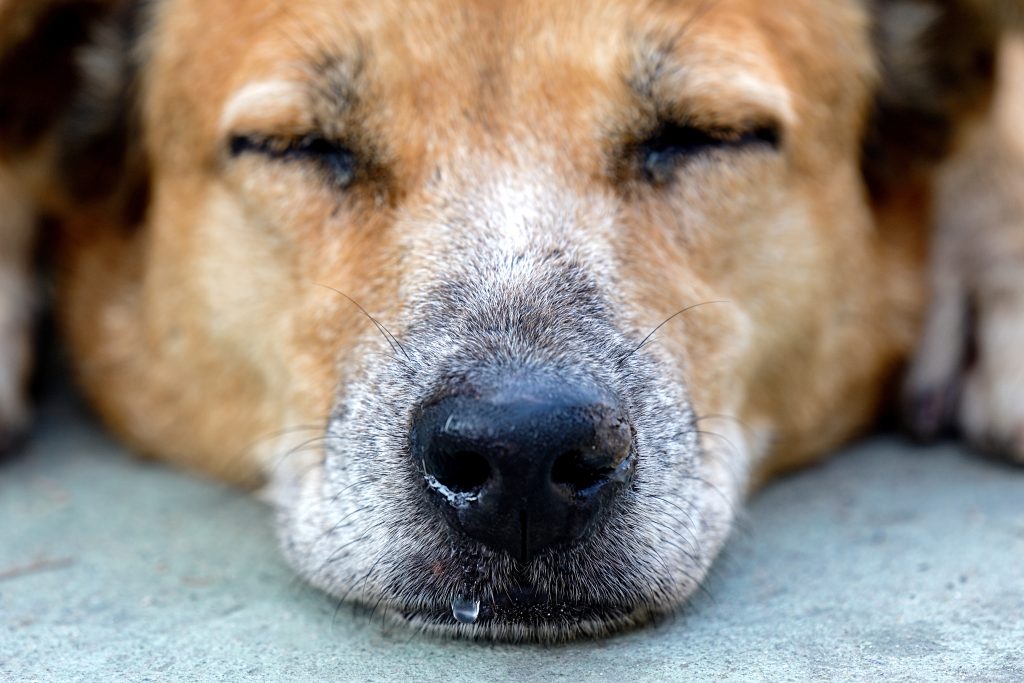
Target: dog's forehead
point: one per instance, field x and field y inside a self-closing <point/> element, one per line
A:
<point x="491" y="57"/>
<point x="423" y="75"/>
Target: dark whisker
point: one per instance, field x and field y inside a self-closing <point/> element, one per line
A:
<point x="344" y="598"/>
<point x="688" y="552"/>
<point x="666" y="321"/>
<point x="390" y="338"/>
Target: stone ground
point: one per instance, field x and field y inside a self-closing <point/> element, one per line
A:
<point x="889" y="561"/>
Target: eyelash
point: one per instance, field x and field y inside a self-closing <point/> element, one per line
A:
<point x="672" y="144"/>
<point x="333" y="158"/>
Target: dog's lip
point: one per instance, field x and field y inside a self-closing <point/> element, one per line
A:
<point x="521" y="606"/>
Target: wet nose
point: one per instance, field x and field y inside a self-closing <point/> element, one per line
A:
<point x="526" y="464"/>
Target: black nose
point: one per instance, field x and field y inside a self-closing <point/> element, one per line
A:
<point x="526" y="464"/>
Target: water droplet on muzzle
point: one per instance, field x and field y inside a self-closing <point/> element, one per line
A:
<point x="465" y="610"/>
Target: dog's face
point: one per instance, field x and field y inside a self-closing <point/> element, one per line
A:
<point x="518" y="194"/>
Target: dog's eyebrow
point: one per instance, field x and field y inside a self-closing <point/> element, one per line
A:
<point x="323" y="93"/>
<point x="709" y="78"/>
<point x="266" y="103"/>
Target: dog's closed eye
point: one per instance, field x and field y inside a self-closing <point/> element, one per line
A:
<point x="671" y="145"/>
<point x="333" y="159"/>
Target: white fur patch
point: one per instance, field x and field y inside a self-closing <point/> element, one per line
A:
<point x="514" y="210"/>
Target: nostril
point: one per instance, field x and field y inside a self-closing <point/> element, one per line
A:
<point x="462" y="472"/>
<point x="574" y="470"/>
<point x="529" y="463"/>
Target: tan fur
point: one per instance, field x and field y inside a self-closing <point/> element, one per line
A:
<point x="237" y="351"/>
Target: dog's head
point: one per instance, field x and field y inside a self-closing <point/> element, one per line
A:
<point x="549" y="283"/>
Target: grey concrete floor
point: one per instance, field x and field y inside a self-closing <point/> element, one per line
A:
<point x="889" y="561"/>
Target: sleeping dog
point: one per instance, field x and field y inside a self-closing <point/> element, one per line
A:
<point x="507" y="305"/>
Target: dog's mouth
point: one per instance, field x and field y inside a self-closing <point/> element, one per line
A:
<point x="520" y="613"/>
<point x="566" y="594"/>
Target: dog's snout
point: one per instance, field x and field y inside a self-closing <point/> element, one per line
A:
<point x="526" y="465"/>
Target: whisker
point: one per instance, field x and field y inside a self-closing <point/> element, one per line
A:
<point x="380" y="555"/>
<point x="689" y="518"/>
<point x="313" y="546"/>
<point x="729" y="463"/>
<point x="388" y="337"/>
<point x="306" y="446"/>
<point x="721" y="494"/>
<point x="244" y="452"/>
<point x="334" y="528"/>
<point x="689" y="552"/>
<point x="698" y="584"/>
<point x="665" y="322"/>
<point x="337" y="551"/>
<point x="344" y="598"/>
<point x="722" y="416"/>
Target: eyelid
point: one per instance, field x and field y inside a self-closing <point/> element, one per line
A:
<point x="332" y="158"/>
<point x="272" y="105"/>
<point x="726" y="82"/>
<point x="670" y="145"/>
<point x="277" y="146"/>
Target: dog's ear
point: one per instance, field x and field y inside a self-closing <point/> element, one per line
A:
<point x="38" y="74"/>
<point x="937" y="71"/>
<point x="101" y="155"/>
<point x="67" y="101"/>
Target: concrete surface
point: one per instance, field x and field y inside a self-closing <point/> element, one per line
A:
<point x="889" y="561"/>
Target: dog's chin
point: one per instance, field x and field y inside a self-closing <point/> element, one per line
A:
<point x="514" y="603"/>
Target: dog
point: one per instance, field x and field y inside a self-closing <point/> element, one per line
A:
<point x="507" y="305"/>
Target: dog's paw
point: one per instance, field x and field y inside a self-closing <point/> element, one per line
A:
<point x="968" y="373"/>
<point x="991" y="410"/>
